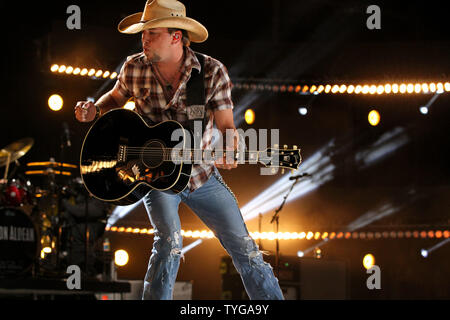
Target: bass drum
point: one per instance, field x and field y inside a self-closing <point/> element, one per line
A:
<point x="18" y="243"/>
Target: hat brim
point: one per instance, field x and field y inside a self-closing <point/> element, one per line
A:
<point x="132" y="24"/>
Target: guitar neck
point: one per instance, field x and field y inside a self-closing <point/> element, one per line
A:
<point x="268" y="157"/>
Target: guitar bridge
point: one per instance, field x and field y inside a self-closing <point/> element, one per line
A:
<point x="122" y="154"/>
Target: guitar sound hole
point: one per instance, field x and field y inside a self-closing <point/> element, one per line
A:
<point x="153" y="154"/>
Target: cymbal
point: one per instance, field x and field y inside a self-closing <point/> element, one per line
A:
<point x="15" y="150"/>
<point x="52" y="164"/>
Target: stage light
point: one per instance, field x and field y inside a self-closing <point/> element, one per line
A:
<point x="91" y="72"/>
<point x="318" y="253"/>
<point x="374" y="118"/>
<point x="84" y="72"/>
<point x="409" y="88"/>
<point x="76" y="71"/>
<point x="440" y="88"/>
<point x="113" y="75"/>
<point x="368" y="261"/>
<point x="249" y="116"/>
<point x="121" y="211"/>
<point x="417" y="88"/>
<point x="309" y="235"/>
<point x="313" y="89"/>
<point x="365" y="89"/>
<point x="335" y="88"/>
<point x="47" y="250"/>
<point x="298" y="88"/>
<point x="303" y="111"/>
<point x="424" y="253"/>
<point x="423" y="110"/>
<point x="55" y="102"/>
<point x="402" y="88"/>
<point x="447" y="86"/>
<point x="98" y="73"/>
<point x="54" y="68"/>
<point x="342" y="88"/>
<point x="320" y="88"/>
<point x="300" y="254"/>
<point x="438" y="234"/>
<point x="380" y="89"/>
<point x="350" y="89"/>
<point x="69" y="70"/>
<point x="130" y="105"/>
<point x="395" y="88"/>
<point x="373" y="89"/>
<point x="121" y="257"/>
<point x="432" y="87"/>
<point x="358" y="89"/>
<point x="106" y="74"/>
<point x="387" y="88"/>
<point x="327" y="88"/>
<point x="61" y="69"/>
<point x="424" y="87"/>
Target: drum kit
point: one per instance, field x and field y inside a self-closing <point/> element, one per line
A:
<point x="47" y="219"/>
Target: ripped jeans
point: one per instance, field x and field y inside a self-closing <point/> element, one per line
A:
<point x="216" y="206"/>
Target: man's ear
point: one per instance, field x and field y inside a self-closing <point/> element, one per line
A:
<point x="176" y="36"/>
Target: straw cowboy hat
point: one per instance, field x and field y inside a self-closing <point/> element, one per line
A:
<point x="164" y="14"/>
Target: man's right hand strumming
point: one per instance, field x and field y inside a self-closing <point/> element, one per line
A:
<point x="85" y="111"/>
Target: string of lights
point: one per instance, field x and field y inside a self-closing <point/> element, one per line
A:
<point x="304" y="235"/>
<point x="78" y="71"/>
<point x="388" y="88"/>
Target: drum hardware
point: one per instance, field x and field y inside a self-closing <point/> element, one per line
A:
<point x="65" y="231"/>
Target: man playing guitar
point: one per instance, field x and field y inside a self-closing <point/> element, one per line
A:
<point x="158" y="80"/>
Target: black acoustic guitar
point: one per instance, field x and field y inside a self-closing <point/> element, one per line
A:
<point x="122" y="158"/>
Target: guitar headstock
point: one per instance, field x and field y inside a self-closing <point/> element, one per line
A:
<point x="283" y="158"/>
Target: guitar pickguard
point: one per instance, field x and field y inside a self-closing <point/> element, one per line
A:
<point x="136" y="171"/>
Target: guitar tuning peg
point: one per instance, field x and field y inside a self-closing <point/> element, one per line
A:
<point x="294" y="147"/>
<point x="282" y="171"/>
<point x="285" y="146"/>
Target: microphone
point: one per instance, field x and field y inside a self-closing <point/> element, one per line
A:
<point x="67" y="134"/>
<point x="306" y="174"/>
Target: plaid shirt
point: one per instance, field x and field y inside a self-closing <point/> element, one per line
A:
<point x="137" y="79"/>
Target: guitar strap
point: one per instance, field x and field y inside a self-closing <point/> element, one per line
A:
<point x="196" y="102"/>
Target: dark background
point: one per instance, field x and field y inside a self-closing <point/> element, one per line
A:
<point x="276" y="41"/>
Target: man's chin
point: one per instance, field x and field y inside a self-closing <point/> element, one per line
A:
<point x="151" y="57"/>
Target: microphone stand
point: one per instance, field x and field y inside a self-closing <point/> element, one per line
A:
<point x="276" y="219"/>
